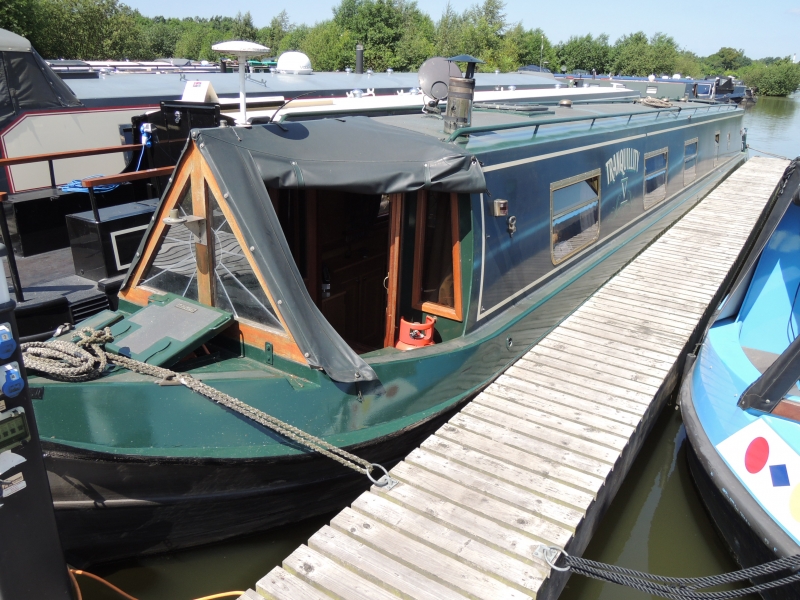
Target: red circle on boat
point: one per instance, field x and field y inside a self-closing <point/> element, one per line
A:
<point x="756" y="456"/>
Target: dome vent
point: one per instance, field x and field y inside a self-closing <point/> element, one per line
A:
<point x="294" y="63"/>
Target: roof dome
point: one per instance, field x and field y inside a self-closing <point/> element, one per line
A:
<point x="295" y="63"/>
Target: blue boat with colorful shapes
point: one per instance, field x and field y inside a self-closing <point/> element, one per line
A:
<point x="740" y="399"/>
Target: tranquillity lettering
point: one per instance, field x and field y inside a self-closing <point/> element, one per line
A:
<point x="626" y="159"/>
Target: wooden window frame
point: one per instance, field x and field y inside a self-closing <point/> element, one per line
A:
<point x="557" y="185"/>
<point x="696" y="153"/>
<point x="456" y="312"/>
<point x="196" y="172"/>
<point x="665" y="151"/>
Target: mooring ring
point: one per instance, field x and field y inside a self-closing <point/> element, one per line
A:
<point x="549" y="554"/>
<point x="383" y="481"/>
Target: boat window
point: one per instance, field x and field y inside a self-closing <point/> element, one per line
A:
<point x="655" y="177"/>
<point x="729" y="140"/>
<point x="690" y="161"/>
<point x="716" y="148"/>
<point x="174" y="267"/>
<point x="236" y="287"/>
<point x="575" y="210"/>
<point x="437" y="270"/>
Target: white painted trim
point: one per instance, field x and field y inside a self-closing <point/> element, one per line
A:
<point x="114" y="243"/>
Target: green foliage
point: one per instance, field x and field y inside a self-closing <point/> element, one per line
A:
<point x="778" y="78"/>
<point x="584" y="53"/>
<point x="18" y="16"/>
<point x="725" y="60"/>
<point x="396" y="34"/>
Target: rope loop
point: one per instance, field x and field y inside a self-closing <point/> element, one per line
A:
<point x="86" y="359"/>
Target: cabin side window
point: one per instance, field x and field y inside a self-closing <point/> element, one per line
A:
<point x="690" y="161"/>
<point x="437" y="255"/>
<point x="729" y="141"/>
<point x="575" y="214"/>
<point x="655" y="177"/>
<point x="716" y="148"/>
<point x="236" y="287"/>
<point x="174" y="266"/>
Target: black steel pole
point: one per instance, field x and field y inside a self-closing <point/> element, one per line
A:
<point x="93" y="201"/>
<point x="359" y="58"/>
<point x="12" y="262"/>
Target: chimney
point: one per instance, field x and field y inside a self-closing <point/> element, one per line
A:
<point x="359" y="58"/>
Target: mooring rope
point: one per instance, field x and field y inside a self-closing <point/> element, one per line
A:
<point x="86" y="359"/>
<point x="678" y="588"/>
<point x="749" y="147"/>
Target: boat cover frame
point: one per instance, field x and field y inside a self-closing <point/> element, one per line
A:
<point x="354" y="154"/>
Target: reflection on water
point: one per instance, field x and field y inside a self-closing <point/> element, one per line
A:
<point x="656" y="524"/>
<point x="773" y="125"/>
<point x="223" y="567"/>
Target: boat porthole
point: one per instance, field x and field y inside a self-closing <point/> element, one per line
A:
<point x="509" y="343"/>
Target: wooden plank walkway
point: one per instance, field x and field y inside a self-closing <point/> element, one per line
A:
<point x="538" y="456"/>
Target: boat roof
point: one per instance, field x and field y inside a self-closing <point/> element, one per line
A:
<point x="11" y="42"/>
<point x="133" y="89"/>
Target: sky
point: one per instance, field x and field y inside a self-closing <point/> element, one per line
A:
<point x="763" y="28"/>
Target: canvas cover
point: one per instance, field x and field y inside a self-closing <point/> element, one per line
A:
<point x="353" y="154"/>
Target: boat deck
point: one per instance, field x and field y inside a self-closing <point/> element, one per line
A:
<point x="538" y="456"/>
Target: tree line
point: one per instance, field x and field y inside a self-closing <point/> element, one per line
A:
<point x="395" y="33"/>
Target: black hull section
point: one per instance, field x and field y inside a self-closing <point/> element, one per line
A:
<point x="751" y="535"/>
<point x="199" y="502"/>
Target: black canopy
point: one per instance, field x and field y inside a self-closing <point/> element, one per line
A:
<point x="354" y="154"/>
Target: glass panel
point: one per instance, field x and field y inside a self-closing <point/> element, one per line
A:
<point x="655" y="179"/>
<point x="569" y="197"/>
<point x="654" y="163"/>
<point x="437" y="262"/>
<point x="689" y="170"/>
<point x="236" y="287"/>
<point x="174" y="268"/>
<point x="690" y="149"/>
<point x="575" y="230"/>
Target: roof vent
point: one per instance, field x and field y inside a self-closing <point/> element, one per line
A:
<point x="294" y="63"/>
<point x="565" y="103"/>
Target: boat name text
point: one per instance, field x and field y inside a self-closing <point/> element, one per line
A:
<point x="626" y="159"/>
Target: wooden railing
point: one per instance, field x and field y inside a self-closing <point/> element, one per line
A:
<point x="92" y="182"/>
<point x="50" y="157"/>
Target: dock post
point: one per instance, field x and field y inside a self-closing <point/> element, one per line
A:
<point x="12" y="262"/>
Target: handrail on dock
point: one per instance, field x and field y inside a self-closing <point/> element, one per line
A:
<point x="535" y="124"/>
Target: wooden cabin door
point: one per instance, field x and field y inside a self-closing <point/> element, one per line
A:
<point x="392" y="281"/>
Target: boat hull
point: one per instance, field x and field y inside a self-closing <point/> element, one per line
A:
<point x="751" y="535"/>
<point x="174" y="504"/>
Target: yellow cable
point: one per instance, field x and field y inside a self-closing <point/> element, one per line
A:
<point x="101" y="580"/>
<point x="222" y="595"/>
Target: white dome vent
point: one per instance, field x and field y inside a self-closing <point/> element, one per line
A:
<point x="294" y="63"/>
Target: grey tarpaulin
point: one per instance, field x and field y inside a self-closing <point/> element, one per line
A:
<point x="354" y="154"/>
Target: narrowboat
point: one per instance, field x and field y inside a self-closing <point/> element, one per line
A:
<point x="740" y="400"/>
<point x="359" y="278"/>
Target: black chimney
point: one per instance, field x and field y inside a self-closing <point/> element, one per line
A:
<point x="359" y="58"/>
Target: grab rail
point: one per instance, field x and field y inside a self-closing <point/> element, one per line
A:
<point x="51" y="156"/>
<point x="520" y="124"/>
<point x="92" y="182"/>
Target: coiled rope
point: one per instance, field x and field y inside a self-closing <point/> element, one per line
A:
<point x="655" y="102"/>
<point x="678" y="588"/>
<point x="86" y="359"/>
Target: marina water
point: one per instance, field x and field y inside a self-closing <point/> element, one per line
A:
<point x="657" y="522"/>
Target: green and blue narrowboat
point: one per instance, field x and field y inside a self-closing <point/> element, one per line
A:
<point x="359" y="278"/>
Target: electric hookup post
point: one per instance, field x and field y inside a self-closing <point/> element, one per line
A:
<point x="31" y="559"/>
